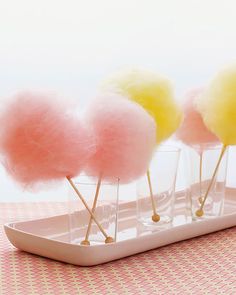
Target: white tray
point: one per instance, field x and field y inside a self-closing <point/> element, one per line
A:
<point x="49" y="237"/>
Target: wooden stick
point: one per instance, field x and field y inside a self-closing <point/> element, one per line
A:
<point x="108" y="239"/>
<point x="200" y="211"/>
<point x="200" y="178"/>
<point x="86" y="240"/>
<point x="155" y="216"/>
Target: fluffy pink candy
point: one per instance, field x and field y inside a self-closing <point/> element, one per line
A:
<point x="193" y="131"/>
<point x="126" y="137"/>
<point x="40" y="142"/>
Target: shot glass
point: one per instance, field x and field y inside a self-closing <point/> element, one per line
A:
<point x="203" y="164"/>
<point x="83" y="228"/>
<point x="156" y="189"/>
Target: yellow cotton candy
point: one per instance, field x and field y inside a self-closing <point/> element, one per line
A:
<point x="218" y="106"/>
<point x="153" y="93"/>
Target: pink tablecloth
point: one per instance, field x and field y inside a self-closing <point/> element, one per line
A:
<point x="204" y="265"/>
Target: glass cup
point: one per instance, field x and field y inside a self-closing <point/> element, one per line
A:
<point x="156" y="189"/>
<point x="83" y="229"/>
<point x="202" y="167"/>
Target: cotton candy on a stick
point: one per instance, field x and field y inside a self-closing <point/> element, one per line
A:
<point x="155" y="94"/>
<point x="218" y="109"/>
<point x="40" y="142"/>
<point x="125" y="141"/>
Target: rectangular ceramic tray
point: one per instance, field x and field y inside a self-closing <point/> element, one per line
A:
<point x="49" y="237"/>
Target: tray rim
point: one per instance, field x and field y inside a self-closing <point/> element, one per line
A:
<point x="10" y="225"/>
<point x="223" y="217"/>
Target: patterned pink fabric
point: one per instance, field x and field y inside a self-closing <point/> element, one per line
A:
<point x="204" y="265"/>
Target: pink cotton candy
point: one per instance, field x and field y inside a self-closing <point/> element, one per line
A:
<point x="126" y="138"/>
<point x="193" y="131"/>
<point x="40" y="141"/>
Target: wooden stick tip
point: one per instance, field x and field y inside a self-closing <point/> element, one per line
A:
<point x="199" y="213"/>
<point x="109" y="240"/>
<point x="156" y="217"/>
<point x="85" y="243"/>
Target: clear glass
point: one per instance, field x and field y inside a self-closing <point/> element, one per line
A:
<point x="202" y="166"/>
<point x="105" y="211"/>
<point x="156" y="191"/>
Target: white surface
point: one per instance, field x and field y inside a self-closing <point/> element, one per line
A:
<point x="68" y="46"/>
<point x="49" y="237"/>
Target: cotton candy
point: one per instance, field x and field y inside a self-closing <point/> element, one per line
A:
<point x="193" y="131"/>
<point x="125" y="135"/>
<point x="40" y="142"/>
<point x="153" y="93"/>
<point x="218" y="106"/>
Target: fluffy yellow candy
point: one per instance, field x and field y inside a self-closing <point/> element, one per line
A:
<point x="153" y="93"/>
<point x="218" y="106"/>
